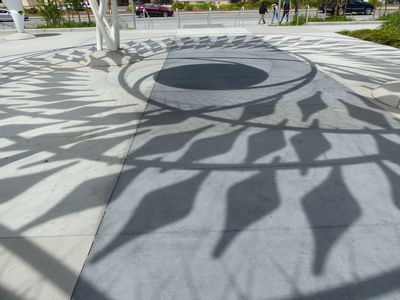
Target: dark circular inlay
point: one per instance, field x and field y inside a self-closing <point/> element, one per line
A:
<point x="218" y="76"/>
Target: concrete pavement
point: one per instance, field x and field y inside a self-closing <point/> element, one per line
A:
<point x="241" y="163"/>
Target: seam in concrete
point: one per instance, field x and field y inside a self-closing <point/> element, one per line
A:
<point x="381" y="225"/>
<point x="115" y="184"/>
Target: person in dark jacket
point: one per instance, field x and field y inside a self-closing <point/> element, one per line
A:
<point x="286" y="9"/>
<point x="262" y="10"/>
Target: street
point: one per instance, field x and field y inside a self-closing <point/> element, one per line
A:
<point x="198" y="19"/>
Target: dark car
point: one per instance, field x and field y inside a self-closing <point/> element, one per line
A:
<point x="153" y="10"/>
<point x="353" y="6"/>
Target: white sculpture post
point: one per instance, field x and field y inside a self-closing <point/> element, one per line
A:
<point x="105" y="30"/>
<point x="108" y="31"/>
<point x="18" y="15"/>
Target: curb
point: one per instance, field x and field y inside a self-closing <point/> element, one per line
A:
<point x="344" y="23"/>
<point x="388" y="94"/>
<point x="40" y="30"/>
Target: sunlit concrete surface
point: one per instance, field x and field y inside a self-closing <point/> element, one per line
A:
<point x="241" y="163"/>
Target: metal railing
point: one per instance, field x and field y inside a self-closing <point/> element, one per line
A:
<point x="239" y="22"/>
<point x="148" y="22"/>
<point x="133" y="14"/>
<point x="7" y="26"/>
<point x="122" y="23"/>
<point x="209" y="17"/>
<point x="179" y="18"/>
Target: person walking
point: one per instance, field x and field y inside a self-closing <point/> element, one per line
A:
<point x="286" y="9"/>
<point x="262" y="10"/>
<point x="274" y="13"/>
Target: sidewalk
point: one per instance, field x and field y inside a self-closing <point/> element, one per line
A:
<point x="228" y="163"/>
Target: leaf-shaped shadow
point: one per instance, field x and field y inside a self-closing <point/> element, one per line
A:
<point x="311" y="105"/>
<point x="70" y="205"/>
<point x="210" y="146"/>
<point x="309" y="144"/>
<point x="165" y="117"/>
<point x="366" y="115"/>
<point x="158" y="209"/>
<point x="167" y="143"/>
<point x="387" y="148"/>
<point x="394" y="181"/>
<point x="248" y="202"/>
<point x="330" y="209"/>
<point x="258" y="110"/>
<point x="13" y="186"/>
<point x="265" y="142"/>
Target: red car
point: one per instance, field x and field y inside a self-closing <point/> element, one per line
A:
<point x="154" y="10"/>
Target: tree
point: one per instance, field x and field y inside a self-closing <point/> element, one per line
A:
<point x="76" y="6"/>
<point x="50" y="11"/>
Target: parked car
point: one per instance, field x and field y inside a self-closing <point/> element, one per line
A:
<point x="154" y="10"/>
<point x="5" y="15"/>
<point x="82" y="6"/>
<point x="353" y="6"/>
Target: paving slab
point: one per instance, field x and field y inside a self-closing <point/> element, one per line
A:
<point x="41" y="267"/>
<point x="283" y="185"/>
<point x="65" y="132"/>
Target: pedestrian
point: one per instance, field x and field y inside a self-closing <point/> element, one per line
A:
<point x="286" y="9"/>
<point x="274" y="13"/>
<point x="262" y="10"/>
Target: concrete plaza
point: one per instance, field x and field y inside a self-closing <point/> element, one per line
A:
<point x="228" y="163"/>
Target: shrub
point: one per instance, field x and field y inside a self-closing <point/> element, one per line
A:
<point x="188" y="7"/>
<point x="178" y="5"/>
<point x="302" y="19"/>
<point x="31" y="10"/>
<point x="69" y="24"/>
<point x="50" y="12"/>
<point x="380" y="36"/>
<point x="204" y="6"/>
<point x="393" y="22"/>
<point x="232" y="6"/>
<point x="311" y="3"/>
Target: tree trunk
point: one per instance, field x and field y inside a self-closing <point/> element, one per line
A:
<point x="318" y="5"/>
<point x="336" y="8"/>
<point x="386" y="4"/>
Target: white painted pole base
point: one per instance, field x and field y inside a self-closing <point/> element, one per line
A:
<point x="19" y="36"/>
<point x="109" y="58"/>
<point x="389" y="94"/>
<point x="17" y="13"/>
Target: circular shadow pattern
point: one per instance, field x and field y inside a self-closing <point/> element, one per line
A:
<point x="212" y="76"/>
